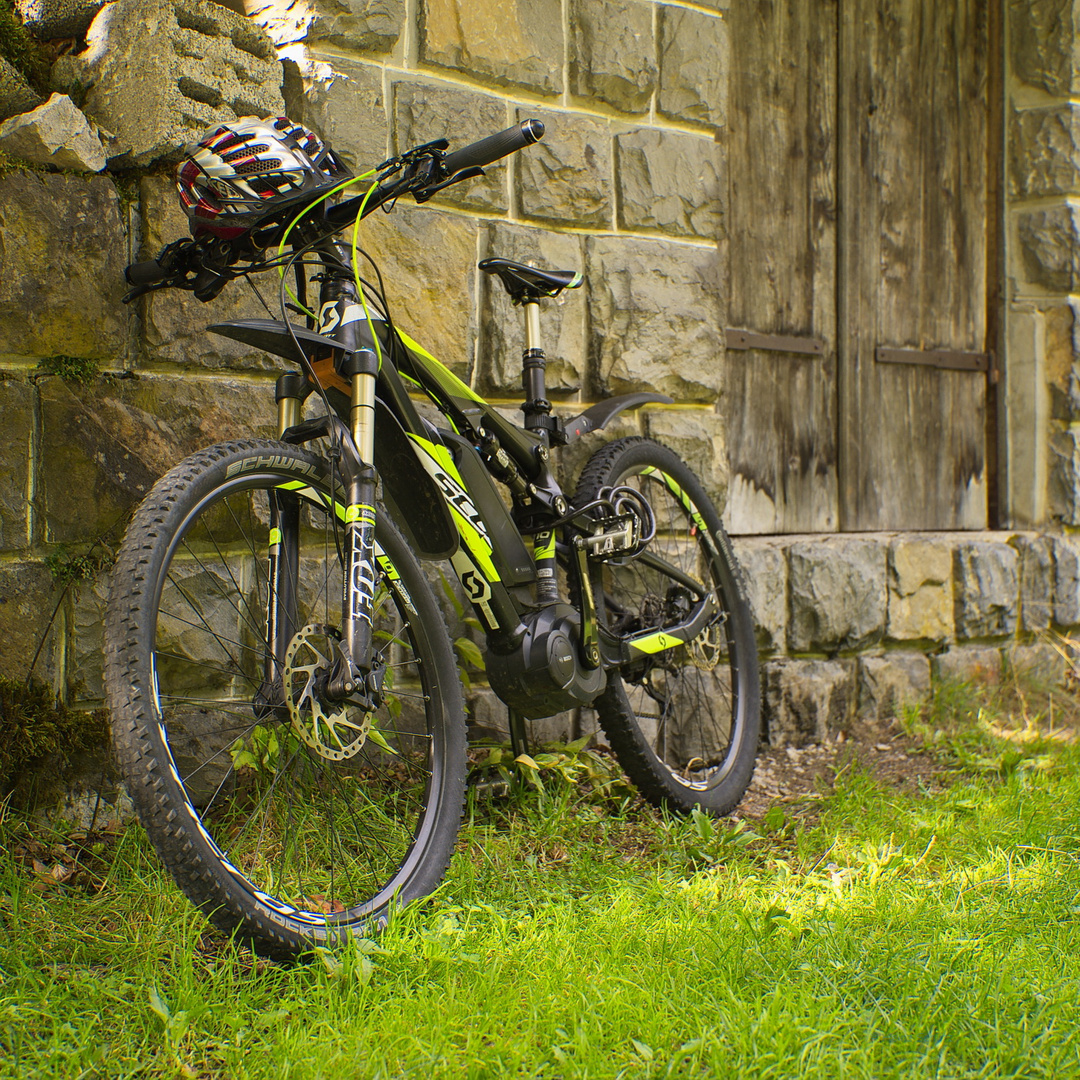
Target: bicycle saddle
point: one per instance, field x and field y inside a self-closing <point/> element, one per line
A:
<point x="527" y="284"/>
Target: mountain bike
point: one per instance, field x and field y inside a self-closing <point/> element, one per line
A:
<point x="286" y="704"/>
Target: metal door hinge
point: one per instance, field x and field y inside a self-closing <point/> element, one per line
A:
<point x="954" y="359"/>
<point x="747" y="339"/>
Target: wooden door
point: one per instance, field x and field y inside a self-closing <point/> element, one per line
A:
<point x="913" y="236"/>
<point x="781" y="404"/>
<point x="857" y="225"/>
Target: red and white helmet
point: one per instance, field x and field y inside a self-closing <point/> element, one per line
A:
<point x="239" y="174"/>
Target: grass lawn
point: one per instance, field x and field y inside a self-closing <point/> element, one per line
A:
<point x="860" y="933"/>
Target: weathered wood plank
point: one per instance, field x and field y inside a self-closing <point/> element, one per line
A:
<point x="781" y="409"/>
<point x="912" y="261"/>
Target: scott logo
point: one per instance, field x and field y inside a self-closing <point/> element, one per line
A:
<point x="459" y="499"/>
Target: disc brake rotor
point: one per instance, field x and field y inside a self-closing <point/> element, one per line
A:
<point x="334" y="730"/>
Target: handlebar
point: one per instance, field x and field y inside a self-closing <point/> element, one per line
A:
<point x="426" y="171"/>
<point x="145" y="273"/>
<point x="484" y="152"/>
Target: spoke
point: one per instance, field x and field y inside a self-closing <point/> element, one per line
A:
<point x="235" y="605"/>
<point x="243" y="609"/>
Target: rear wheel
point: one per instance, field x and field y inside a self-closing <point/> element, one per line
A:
<point x="288" y="817"/>
<point x="684" y="722"/>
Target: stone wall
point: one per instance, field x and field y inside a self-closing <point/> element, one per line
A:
<point x="628" y="185"/>
<point x="1042" y="257"/>
<point x="863" y="625"/>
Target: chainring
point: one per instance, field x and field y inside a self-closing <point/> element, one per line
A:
<point x="335" y="730"/>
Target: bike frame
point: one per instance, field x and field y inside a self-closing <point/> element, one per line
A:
<point x="366" y="369"/>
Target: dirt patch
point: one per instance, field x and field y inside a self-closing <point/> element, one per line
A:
<point x="788" y="775"/>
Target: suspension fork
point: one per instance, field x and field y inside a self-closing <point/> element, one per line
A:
<point x="284" y="549"/>
<point x="362" y="369"/>
<point x="339" y="317"/>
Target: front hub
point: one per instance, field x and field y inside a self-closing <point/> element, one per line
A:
<point x="335" y="730"/>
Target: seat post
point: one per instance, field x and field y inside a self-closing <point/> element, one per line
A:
<point x="537" y="408"/>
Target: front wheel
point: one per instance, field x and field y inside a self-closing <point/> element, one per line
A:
<point x="290" y="818"/>
<point x="685" y="722"/>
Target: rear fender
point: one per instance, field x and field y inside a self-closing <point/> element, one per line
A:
<point x="603" y="412"/>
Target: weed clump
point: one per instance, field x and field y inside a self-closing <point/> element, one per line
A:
<point x="19" y="49"/>
<point x="35" y="725"/>
<point x="74" y="369"/>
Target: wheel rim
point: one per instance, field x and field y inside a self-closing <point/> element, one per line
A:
<point x="684" y="702"/>
<point x="319" y="829"/>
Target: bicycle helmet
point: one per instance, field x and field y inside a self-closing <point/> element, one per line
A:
<point x="237" y="175"/>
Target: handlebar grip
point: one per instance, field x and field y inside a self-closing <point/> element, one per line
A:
<point x="494" y="147"/>
<point x="145" y="273"/>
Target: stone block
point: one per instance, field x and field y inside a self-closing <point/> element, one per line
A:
<point x="1066" y="552"/>
<point x="1044" y="151"/>
<point x="566" y="178"/>
<point x="63" y="251"/>
<point x="55" y="134"/>
<point x="804" y="700"/>
<point x="837" y="595"/>
<point x="1060" y="326"/>
<point x="986" y="588"/>
<point x="562" y="322"/>
<point x="486" y="715"/>
<point x="1064" y="479"/>
<point x="515" y="43"/>
<point x="368" y="26"/>
<point x="612" y="52"/>
<point x="84" y="676"/>
<point x="1049" y="247"/>
<point x="968" y="664"/>
<point x="920" y="590"/>
<point x="695" y="58"/>
<point x="559" y="728"/>
<point x="1038" y="667"/>
<point x="16" y="435"/>
<point x="1044" y="44"/>
<point x="654" y="318"/>
<point x="160" y="72"/>
<point x="764" y="565"/>
<point x="428" y="264"/>
<point x="423" y="112"/>
<point x="698" y="438"/>
<point x="346" y="108"/>
<point x="27" y="601"/>
<point x="890" y="682"/>
<point x="103" y="446"/>
<point x="174" y="323"/>
<point x="16" y="96"/>
<point x="49" y="19"/>
<point x="1036" y="582"/>
<point x="668" y="182"/>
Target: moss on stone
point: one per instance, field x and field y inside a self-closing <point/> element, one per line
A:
<point x="18" y="47"/>
<point x="36" y="726"/>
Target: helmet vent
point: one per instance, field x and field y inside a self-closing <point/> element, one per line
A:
<point x="248" y="168"/>
<point x="247" y="151"/>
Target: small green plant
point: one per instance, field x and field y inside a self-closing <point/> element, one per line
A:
<point x="70" y="567"/>
<point x="709" y="843"/>
<point x="595" y="775"/>
<point x="74" y="369"/>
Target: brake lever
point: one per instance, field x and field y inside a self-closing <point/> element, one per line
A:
<point x="422" y="194"/>
<point x="142" y="290"/>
